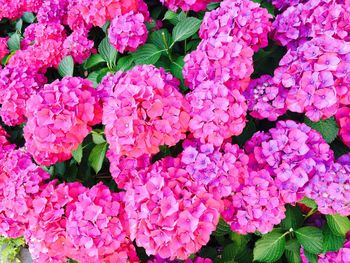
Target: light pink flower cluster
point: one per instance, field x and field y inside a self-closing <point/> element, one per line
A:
<point x="20" y="182"/>
<point x="316" y="77"/>
<point x="227" y="60"/>
<point x="292" y="153"/>
<point x="96" y="227"/>
<point x="144" y="111"/>
<point x="266" y="99"/>
<point x="170" y="215"/>
<point x="216" y="112"/>
<point x="15" y="8"/>
<point x="127" y="32"/>
<point x="243" y="19"/>
<point x="256" y="205"/>
<point x="3" y="47"/>
<point x="60" y="115"/>
<point x="186" y="5"/>
<point x="343" y="120"/>
<point x="312" y="19"/>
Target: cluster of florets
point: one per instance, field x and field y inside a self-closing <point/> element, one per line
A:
<point x="127" y="32"/>
<point x="243" y="19"/>
<point x="186" y="5"/>
<point x="216" y="112"/>
<point x="227" y="60"/>
<point x="343" y="120"/>
<point x="60" y="116"/>
<point x="78" y="45"/>
<point x="315" y="77"/>
<point x="158" y="259"/>
<point x="312" y="19"/>
<point x="170" y="215"/>
<point x="265" y="98"/>
<point x="15" y="9"/>
<point x="3" y="47"/>
<point x="292" y="153"/>
<point x="144" y="111"/>
<point x="283" y="4"/>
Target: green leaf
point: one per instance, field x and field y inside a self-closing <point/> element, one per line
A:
<point x="14" y="42"/>
<point x="292" y="252"/>
<point x="66" y="66"/>
<point x="294" y="218"/>
<point x="176" y="67"/>
<point x="185" y="29"/>
<point x="108" y="52"/>
<point x="125" y="63"/>
<point x="97" y="156"/>
<point x="28" y="17"/>
<point x="332" y="242"/>
<point x="339" y="225"/>
<point x="98" y="138"/>
<point x="169" y="15"/>
<point x="229" y="253"/>
<point x="147" y="54"/>
<point x="161" y="38"/>
<point x="308" y="202"/>
<point x="106" y="26"/>
<point x="213" y="6"/>
<point x="270" y="247"/>
<point x="92" y="61"/>
<point x="311" y="257"/>
<point x="93" y="77"/>
<point x="222" y="228"/>
<point x="78" y="153"/>
<point x="101" y="74"/>
<point x="19" y="25"/>
<point x="311" y="238"/>
<point x="328" y="128"/>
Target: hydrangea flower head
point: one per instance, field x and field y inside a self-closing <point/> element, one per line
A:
<point x="217" y="112"/>
<point x="227" y="60"/>
<point x="186" y="5"/>
<point x="78" y="45"/>
<point x="343" y="120"/>
<point x="127" y="32"/>
<point x="265" y="99"/>
<point x="243" y="19"/>
<point x="146" y="110"/>
<point x="60" y="116"/>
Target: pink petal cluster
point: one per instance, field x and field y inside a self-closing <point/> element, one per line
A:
<point x="3" y="137"/>
<point x="292" y="153"/>
<point x="60" y="116"/>
<point x="315" y="75"/>
<point x="186" y="5"/>
<point x="127" y="32"/>
<point x="158" y="259"/>
<point x="170" y="215"/>
<point x="216" y="112"/>
<point x="312" y="19"/>
<point x="243" y="19"/>
<point x="227" y="60"/>
<point x="283" y="4"/>
<point x="266" y="99"/>
<point x="15" y="8"/>
<point x="343" y="120"/>
<point x="3" y="47"/>
<point x="20" y="181"/>
<point x="96" y="227"/>
<point x="78" y="45"/>
<point x="256" y="205"/>
<point x="144" y="111"/>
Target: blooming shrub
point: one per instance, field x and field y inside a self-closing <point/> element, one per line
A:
<point x="175" y="131"/>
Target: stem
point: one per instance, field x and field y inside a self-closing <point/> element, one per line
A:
<point x="311" y="212"/>
<point x="167" y="47"/>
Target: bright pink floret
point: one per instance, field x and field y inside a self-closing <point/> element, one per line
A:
<point x="186" y="5"/>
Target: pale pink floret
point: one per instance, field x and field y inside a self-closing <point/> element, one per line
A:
<point x="186" y="5"/>
<point x="216" y="112"/>
<point x="60" y="116"/>
<point x="243" y="19"/>
<point x="226" y="60"/>
<point x="127" y="32"/>
<point x="170" y="215"/>
<point x="144" y="111"/>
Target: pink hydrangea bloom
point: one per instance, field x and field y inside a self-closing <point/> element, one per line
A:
<point x="315" y="75"/>
<point x="97" y="228"/>
<point x="15" y="8"/>
<point x="127" y="32"/>
<point x="53" y="11"/>
<point x="255" y="206"/>
<point x="292" y="153"/>
<point x="170" y="215"/>
<point x="78" y="45"/>
<point x="158" y="259"/>
<point x="343" y="120"/>
<point x="3" y="137"/>
<point x="144" y="111"/>
<point x="266" y="99"/>
<point x="20" y="181"/>
<point x="3" y="47"/>
<point x="186" y="5"/>
<point x="227" y="60"/>
<point x="60" y="116"/>
<point x="46" y="235"/>
<point x="243" y="19"/>
<point x="312" y="19"/>
<point x="283" y="4"/>
<point x="216" y="112"/>
<point x="16" y="86"/>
